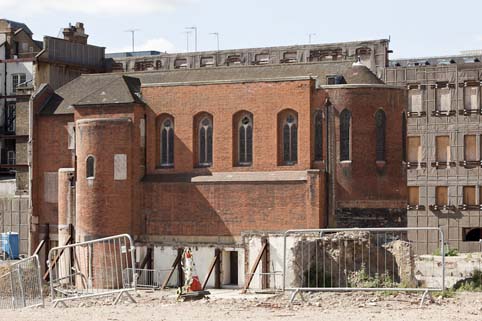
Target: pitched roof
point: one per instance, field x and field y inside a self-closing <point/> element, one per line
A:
<point x="18" y="25"/>
<point x="115" y="88"/>
<point x="102" y="89"/>
<point x="352" y="75"/>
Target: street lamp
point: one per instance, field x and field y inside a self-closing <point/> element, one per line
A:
<point x="132" y="31"/>
<point x="310" y="35"/>
<point x="217" y="37"/>
<point x="195" y="36"/>
<point x="187" y="39"/>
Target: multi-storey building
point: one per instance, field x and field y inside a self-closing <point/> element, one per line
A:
<point x="25" y="64"/>
<point x="17" y="53"/>
<point x="443" y="145"/>
<point x="199" y="156"/>
<point x="373" y="54"/>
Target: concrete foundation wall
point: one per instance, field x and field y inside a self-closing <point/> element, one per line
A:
<point x="164" y="257"/>
<point x="457" y="268"/>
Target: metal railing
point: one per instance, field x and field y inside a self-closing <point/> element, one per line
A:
<point x="92" y="269"/>
<point x="20" y="284"/>
<point x="364" y="259"/>
<point x="146" y="278"/>
<point x="269" y="281"/>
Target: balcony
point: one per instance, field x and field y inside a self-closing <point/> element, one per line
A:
<point x="435" y="207"/>
<point x="416" y="114"/>
<point x="442" y="165"/>
<point x="443" y="113"/>
<point x="468" y="207"/>
<point x="470" y="164"/>
<point x="468" y="112"/>
<point x="415" y="207"/>
<point x="416" y="165"/>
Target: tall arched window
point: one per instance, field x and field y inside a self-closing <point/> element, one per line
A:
<point x="345" y="121"/>
<point x="167" y="142"/>
<point x="318" y="136"/>
<point x="90" y="167"/>
<point x="205" y="144"/>
<point x="380" y="123"/>
<point x="290" y="139"/>
<point x="245" y="140"/>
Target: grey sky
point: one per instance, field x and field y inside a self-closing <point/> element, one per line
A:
<point x="417" y="28"/>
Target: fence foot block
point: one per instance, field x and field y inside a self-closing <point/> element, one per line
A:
<point x="117" y="299"/>
<point x="293" y="296"/>
<point x="61" y="302"/>
<point x="426" y="294"/>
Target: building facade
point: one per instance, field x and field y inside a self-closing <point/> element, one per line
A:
<point x="17" y="53"/>
<point x="25" y="64"/>
<point x="199" y="157"/>
<point x="443" y="145"/>
<point x="373" y="54"/>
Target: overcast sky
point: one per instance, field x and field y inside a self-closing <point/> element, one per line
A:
<point x="416" y="27"/>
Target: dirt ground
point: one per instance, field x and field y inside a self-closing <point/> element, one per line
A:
<point x="233" y="306"/>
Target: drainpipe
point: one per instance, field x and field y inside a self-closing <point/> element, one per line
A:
<point x="331" y="162"/>
<point x="30" y="174"/>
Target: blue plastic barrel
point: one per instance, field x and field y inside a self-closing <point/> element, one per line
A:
<point x="10" y="244"/>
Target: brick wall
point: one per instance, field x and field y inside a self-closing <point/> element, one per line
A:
<point x="263" y="100"/>
<point x="223" y="209"/>
<point x="21" y="144"/>
<point x="364" y="183"/>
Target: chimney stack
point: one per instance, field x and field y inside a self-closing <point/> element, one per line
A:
<point x="76" y="33"/>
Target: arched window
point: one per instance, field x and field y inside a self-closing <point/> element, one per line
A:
<point x="318" y="136"/>
<point x="290" y="139"/>
<point x="380" y="123"/>
<point x="245" y="140"/>
<point x="205" y="144"/>
<point x="167" y="142"/>
<point x="90" y="167"/>
<point x="345" y="120"/>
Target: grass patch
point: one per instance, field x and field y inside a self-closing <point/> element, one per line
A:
<point x="471" y="284"/>
<point x="448" y="251"/>
<point x="361" y="279"/>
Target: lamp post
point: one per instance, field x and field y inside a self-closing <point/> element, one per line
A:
<point x="132" y="31"/>
<point x="195" y="36"/>
<point x="310" y="35"/>
<point x="187" y="40"/>
<point x="217" y="37"/>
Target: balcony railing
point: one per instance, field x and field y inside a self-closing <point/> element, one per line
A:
<point x="415" y="207"/>
<point x="443" y="113"/>
<point x="468" y="207"/>
<point x="470" y="164"/>
<point x="468" y="112"/>
<point x="415" y="114"/>
<point x="435" y="207"/>
<point x="415" y="165"/>
<point x="438" y="165"/>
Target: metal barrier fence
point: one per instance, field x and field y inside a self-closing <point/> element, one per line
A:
<point x="146" y="278"/>
<point x="20" y="284"/>
<point x="364" y="259"/>
<point x="269" y="281"/>
<point x="92" y="269"/>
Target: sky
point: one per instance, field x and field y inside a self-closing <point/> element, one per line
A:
<point x="416" y="28"/>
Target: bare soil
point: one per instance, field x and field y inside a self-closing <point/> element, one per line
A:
<point x="231" y="305"/>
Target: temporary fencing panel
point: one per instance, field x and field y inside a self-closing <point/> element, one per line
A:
<point x="20" y="284"/>
<point x="364" y="259"/>
<point x="92" y="269"/>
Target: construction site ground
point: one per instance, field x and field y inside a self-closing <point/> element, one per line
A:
<point x="231" y="305"/>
